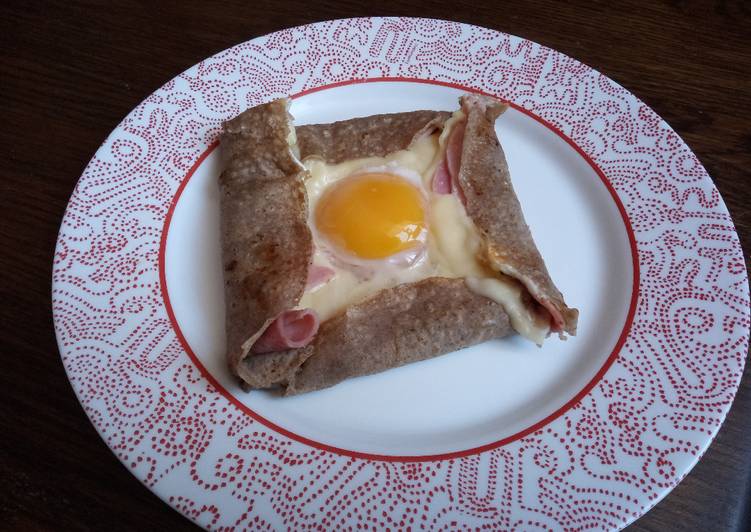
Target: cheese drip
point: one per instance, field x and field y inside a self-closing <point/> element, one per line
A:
<point x="457" y="246"/>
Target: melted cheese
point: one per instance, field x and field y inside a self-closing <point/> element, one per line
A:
<point x="453" y="246"/>
<point x="347" y="288"/>
<point x="414" y="162"/>
<point x="448" y="126"/>
<point x="456" y="244"/>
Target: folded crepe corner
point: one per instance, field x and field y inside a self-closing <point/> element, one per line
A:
<point x="267" y="245"/>
<point x="510" y="247"/>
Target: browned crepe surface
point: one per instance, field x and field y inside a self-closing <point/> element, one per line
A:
<point x="397" y="326"/>
<point x="494" y="208"/>
<point x="370" y="136"/>
<point x="266" y="243"/>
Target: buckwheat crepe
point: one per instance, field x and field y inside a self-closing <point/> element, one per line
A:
<point x="268" y="249"/>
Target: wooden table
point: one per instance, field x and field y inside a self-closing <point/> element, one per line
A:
<point x="70" y="71"/>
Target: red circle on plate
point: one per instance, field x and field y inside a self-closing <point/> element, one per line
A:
<point x="417" y="458"/>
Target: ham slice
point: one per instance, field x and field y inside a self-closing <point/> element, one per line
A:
<point x="557" y="321"/>
<point x="454" y="158"/>
<point x="442" y="179"/>
<point x="446" y="177"/>
<point x="290" y="330"/>
<point x="294" y="328"/>
<point x="318" y="275"/>
<point x="454" y="149"/>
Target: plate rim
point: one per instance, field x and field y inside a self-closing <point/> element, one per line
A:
<point x="623" y="518"/>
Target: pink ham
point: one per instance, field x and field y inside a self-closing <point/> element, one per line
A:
<point x="454" y="158"/>
<point x="454" y="150"/>
<point x="290" y="330"/>
<point x="446" y="178"/>
<point x="318" y="275"/>
<point x="442" y="179"/>
<point x="294" y="328"/>
<point x="556" y="318"/>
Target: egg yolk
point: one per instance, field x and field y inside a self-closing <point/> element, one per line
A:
<point x="372" y="216"/>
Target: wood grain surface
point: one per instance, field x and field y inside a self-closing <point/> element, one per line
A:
<point x="70" y="71"/>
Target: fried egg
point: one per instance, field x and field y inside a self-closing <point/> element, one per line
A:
<point x="377" y="223"/>
<point x="372" y="216"/>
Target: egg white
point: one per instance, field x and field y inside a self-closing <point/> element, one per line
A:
<point x="355" y="279"/>
<point x="366" y="268"/>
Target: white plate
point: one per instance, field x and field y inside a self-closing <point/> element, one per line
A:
<point x="590" y="432"/>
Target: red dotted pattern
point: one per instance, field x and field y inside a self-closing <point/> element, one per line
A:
<point x="598" y="466"/>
